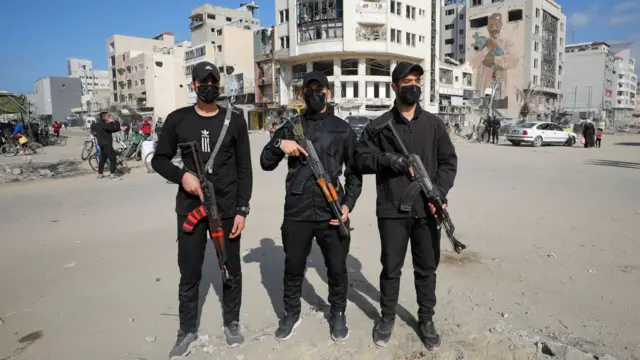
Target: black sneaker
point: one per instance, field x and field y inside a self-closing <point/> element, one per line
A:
<point x="233" y="334"/>
<point x="338" y="324"/>
<point x="184" y="344"/>
<point x="383" y="330"/>
<point x="286" y="327"/>
<point x="429" y="335"/>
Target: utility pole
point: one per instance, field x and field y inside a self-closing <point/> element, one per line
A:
<point x="575" y="100"/>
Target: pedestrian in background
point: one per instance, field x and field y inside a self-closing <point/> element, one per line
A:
<point x="103" y="130"/>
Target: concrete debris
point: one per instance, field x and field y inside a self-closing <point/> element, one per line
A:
<point x="208" y="349"/>
<point x="36" y="171"/>
<point x="551" y="255"/>
<point x="150" y="339"/>
<point x="591" y="271"/>
<point x="16" y="171"/>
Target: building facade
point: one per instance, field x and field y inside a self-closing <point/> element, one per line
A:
<point x="193" y="55"/>
<point x="528" y="54"/>
<point x="455" y="89"/>
<point x="96" y="88"/>
<point x="453" y="30"/>
<point x="267" y="70"/>
<point x="148" y="74"/>
<point x="357" y="44"/>
<point x="625" y="103"/>
<point x="56" y="98"/>
<point x="591" y="96"/>
<point x="207" y="21"/>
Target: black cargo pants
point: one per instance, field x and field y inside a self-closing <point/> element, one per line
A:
<point x="191" y="251"/>
<point x="395" y="235"/>
<point x="297" y="239"/>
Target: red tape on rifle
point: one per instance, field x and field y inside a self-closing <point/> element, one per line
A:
<point x="192" y="219"/>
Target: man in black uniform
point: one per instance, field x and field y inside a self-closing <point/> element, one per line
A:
<point x="103" y="130"/>
<point x="426" y="135"/>
<point x="232" y="179"/>
<point x="306" y="211"/>
<point x="495" y="130"/>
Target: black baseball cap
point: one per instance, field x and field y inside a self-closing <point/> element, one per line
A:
<point x="204" y="69"/>
<point x="405" y="68"/>
<point x="316" y="76"/>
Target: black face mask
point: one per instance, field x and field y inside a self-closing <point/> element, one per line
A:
<point x="315" y="101"/>
<point x="409" y="94"/>
<point x="208" y="93"/>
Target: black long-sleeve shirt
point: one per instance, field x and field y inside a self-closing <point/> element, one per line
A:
<point x="426" y="136"/>
<point x="103" y="131"/>
<point x="335" y="143"/>
<point x="232" y="176"/>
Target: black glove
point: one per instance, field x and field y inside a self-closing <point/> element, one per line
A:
<point x="397" y="163"/>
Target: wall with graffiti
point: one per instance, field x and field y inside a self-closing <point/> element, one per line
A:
<point x="495" y="50"/>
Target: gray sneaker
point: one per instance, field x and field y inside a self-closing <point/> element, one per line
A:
<point x="101" y="177"/>
<point x="115" y="177"/>
<point x="233" y="334"/>
<point x="184" y="344"/>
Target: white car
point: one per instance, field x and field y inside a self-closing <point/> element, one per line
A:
<point x="539" y="133"/>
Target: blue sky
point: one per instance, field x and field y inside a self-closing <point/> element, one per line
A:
<point x="39" y="35"/>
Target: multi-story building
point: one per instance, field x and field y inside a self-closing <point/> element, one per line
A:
<point x="453" y="29"/>
<point x="96" y="88"/>
<point x="627" y="81"/>
<point x="207" y="21"/>
<point x="636" y="113"/>
<point x="517" y="46"/>
<point x="266" y="72"/>
<point x="357" y="44"/>
<point x="148" y="74"/>
<point x="455" y="89"/>
<point x="590" y="96"/>
<point x="193" y="55"/>
<point x="56" y="98"/>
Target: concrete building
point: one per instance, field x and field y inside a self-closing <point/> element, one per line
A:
<point x="207" y="21"/>
<point x="455" y="89"/>
<point x="96" y="90"/>
<point x="589" y="96"/>
<point x="453" y="29"/>
<point x="56" y="97"/>
<point x="194" y="55"/>
<point x="148" y="74"/>
<point x="529" y="55"/>
<point x="266" y="71"/>
<point x="627" y="80"/>
<point x="357" y="44"/>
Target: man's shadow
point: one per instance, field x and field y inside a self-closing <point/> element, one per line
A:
<point x="271" y="259"/>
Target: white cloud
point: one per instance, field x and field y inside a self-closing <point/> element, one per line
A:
<point x="626" y="6"/>
<point x="623" y="19"/>
<point x="579" y="19"/>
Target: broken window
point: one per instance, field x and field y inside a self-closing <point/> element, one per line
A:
<point x="319" y="19"/>
<point x="349" y="67"/>
<point x="324" y="66"/>
<point x="376" y="67"/>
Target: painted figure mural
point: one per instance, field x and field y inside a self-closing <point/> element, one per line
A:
<point x="493" y="56"/>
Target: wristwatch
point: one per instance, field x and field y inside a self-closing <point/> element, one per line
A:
<point x="244" y="210"/>
<point x="277" y="143"/>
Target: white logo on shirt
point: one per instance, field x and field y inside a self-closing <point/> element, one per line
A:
<point x="206" y="147"/>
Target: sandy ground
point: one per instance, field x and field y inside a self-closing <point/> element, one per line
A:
<point x="88" y="269"/>
<point x="75" y="138"/>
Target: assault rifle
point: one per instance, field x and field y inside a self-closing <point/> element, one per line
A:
<point x="208" y="209"/>
<point x="421" y="182"/>
<point x="323" y="180"/>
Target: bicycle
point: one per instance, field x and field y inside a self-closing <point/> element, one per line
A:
<point x="88" y="147"/>
<point x="94" y="160"/>
<point x="13" y="148"/>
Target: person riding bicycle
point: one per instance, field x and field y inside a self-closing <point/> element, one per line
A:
<point x="18" y="135"/>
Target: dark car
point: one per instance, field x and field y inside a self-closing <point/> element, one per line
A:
<point x="358" y="122"/>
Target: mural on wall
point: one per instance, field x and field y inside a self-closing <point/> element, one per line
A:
<point x="494" y="57"/>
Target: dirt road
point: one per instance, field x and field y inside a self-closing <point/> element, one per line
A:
<point x="88" y="269"/>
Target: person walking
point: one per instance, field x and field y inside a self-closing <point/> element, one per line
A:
<point x="307" y="214"/>
<point x="103" y="130"/>
<point x="223" y="135"/>
<point x="599" y="137"/>
<point x="425" y="135"/>
<point x="495" y="130"/>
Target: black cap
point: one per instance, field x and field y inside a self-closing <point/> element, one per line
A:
<point x="316" y="76"/>
<point x="204" y="69"/>
<point x="405" y="68"/>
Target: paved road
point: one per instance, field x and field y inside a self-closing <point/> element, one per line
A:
<point x="88" y="269"/>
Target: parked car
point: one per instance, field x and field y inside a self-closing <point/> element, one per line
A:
<point x="539" y="133"/>
<point x="358" y="122"/>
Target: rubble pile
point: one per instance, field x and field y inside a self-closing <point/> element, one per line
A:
<point x="36" y="171"/>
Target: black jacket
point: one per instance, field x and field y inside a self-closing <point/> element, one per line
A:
<point x="103" y="131"/>
<point x="425" y="135"/>
<point x="232" y="177"/>
<point x="335" y="142"/>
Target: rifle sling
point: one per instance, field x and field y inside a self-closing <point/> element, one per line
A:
<point x="227" y="119"/>
<point x="409" y="195"/>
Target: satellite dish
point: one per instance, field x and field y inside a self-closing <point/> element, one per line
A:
<point x="229" y="70"/>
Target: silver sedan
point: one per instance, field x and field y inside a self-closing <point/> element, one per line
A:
<point x="539" y="133"/>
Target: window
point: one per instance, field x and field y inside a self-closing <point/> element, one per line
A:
<point x="514" y="15"/>
<point x="449" y="55"/>
<point x="200" y="51"/>
<point x="393" y="35"/>
<point x="537" y="30"/>
<point x="284" y="42"/>
<point x="413" y="40"/>
<point x="448" y="27"/>
<point x="398" y="8"/>
<point x="461" y="47"/>
<point x="375" y="67"/>
<point x="281" y="13"/>
<point x="211" y="16"/>
<point x="535" y="79"/>
<point x="219" y="32"/>
<point x="448" y="41"/>
<point x="393" y="7"/>
<point x="479" y="22"/>
<point x="535" y="63"/>
<point x="219" y="48"/>
<point x="537" y="12"/>
<point x="461" y="31"/>
<point x="449" y="12"/>
<point x="349" y="67"/>
<point x="408" y="11"/>
<point x="535" y="46"/>
<point x="399" y="36"/>
<point x="561" y="42"/>
<point x="387" y="89"/>
<point x="476" y="2"/>
<point x="408" y="37"/>
<point x="228" y="19"/>
<point x="461" y="17"/>
<point x="376" y="90"/>
<point x="559" y="84"/>
<point x="561" y="26"/>
<point x="413" y="12"/>
<point x="284" y="16"/>
<point x="421" y="38"/>
<point x="560" y="56"/>
<point x="141" y="81"/>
